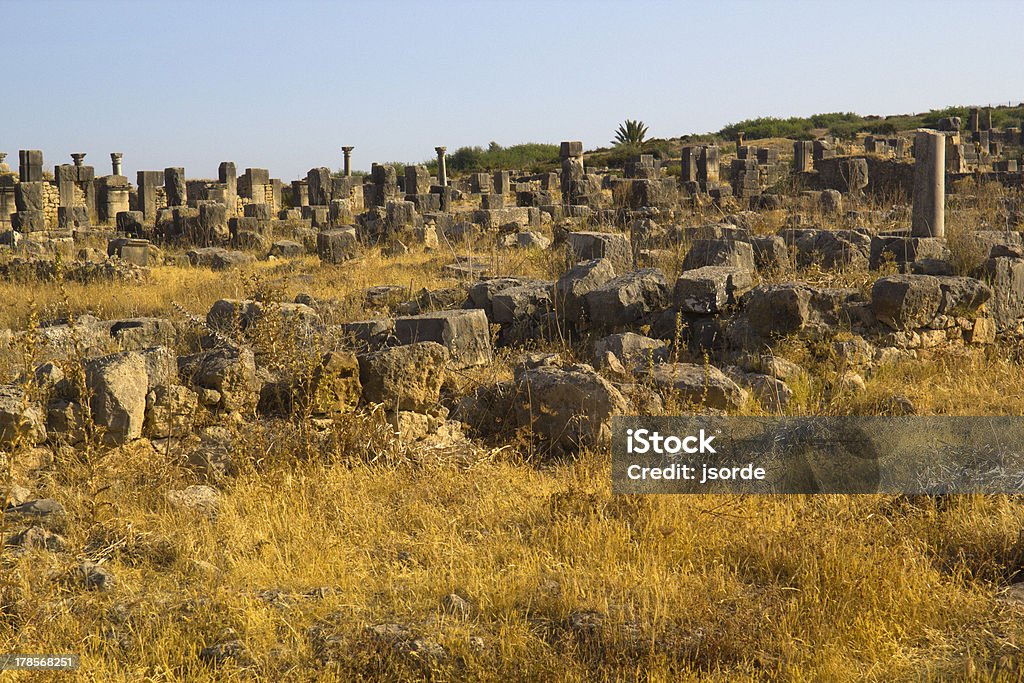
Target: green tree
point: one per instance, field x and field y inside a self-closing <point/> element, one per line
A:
<point x="631" y="133"/>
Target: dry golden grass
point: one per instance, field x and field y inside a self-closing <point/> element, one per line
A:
<point x="561" y="580"/>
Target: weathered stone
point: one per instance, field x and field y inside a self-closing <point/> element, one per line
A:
<point x="227" y="315"/>
<point x="772" y="311"/>
<point x="704" y="385"/>
<point x="369" y="335"/>
<point x="405" y="377"/>
<point x="328" y="388"/>
<point x="218" y="258"/>
<point x="720" y="252"/>
<point x="287" y="249"/>
<point x="465" y="333"/>
<point x="532" y="240"/>
<point x="711" y="289"/>
<point x="198" y="497"/>
<point x="627" y="298"/>
<point x="771" y="253"/>
<point x="527" y="301"/>
<point x="906" y="301"/>
<point x="230" y="372"/>
<point x="575" y="283"/>
<point x="771" y="392"/>
<point x="22" y="422"/>
<point x="584" y="246"/>
<point x="569" y="408"/>
<point x="831" y="202"/>
<point x="338" y="245"/>
<point x="631" y="349"/>
<point x="481" y="294"/>
<point x="117" y="386"/>
<point x="170" y="411"/>
<point x="1005" y="275"/>
<point x="45" y="512"/>
<point x="962" y="296"/>
<point x="830" y="248"/>
<point x="130" y="222"/>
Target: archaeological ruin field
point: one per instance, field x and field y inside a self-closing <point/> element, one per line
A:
<point x="356" y="425"/>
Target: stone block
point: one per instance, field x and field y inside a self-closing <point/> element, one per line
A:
<point x="337" y="245"/>
<point x="465" y="333"/>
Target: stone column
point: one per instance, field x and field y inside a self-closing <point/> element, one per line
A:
<point x="740" y="136"/>
<point x="347" y="151"/>
<point x="929" y="214"/>
<point x="803" y="156"/>
<point x="78" y="158"/>
<point x="442" y="170"/>
<point x="115" y="162"/>
<point x="174" y="186"/>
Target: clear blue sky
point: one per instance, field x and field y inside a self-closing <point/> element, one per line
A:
<point x="283" y="85"/>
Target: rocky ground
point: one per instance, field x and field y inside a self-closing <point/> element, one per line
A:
<point x="396" y="466"/>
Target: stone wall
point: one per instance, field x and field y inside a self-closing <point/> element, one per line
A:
<point x="51" y="200"/>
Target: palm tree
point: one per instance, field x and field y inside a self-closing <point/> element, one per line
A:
<point x="631" y="133"/>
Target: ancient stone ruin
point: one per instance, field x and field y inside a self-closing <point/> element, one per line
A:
<point x="736" y="295"/>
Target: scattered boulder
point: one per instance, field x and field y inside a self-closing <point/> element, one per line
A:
<point x="230" y="314"/>
<point x="906" y="301"/>
<point x="338" y="245"/>
<point x="631" y="349"/>
<point x="44" y="512"/>
<point x="327" y="388"/>
<point x="287" y="249"/>
<point x="586" y="246"/>
<point x="710" y="289"/>
<point x="770" y="253"/>
<point x="1005" y="275"/>
<point x="170" y="411"/>
<point x="704" y="385"/>
<point x="570" y="408"/>
<point x="21" y="421"/>
<point x="465" y="333"/>
<point x="405" y="377"/>
<point x="117" y="385"/>
<point x="962" y="296"/>
<point x="229" y="372"/>
<point x="628" y="298"/>
<point x="577" y="282"/>
<point x="830" y="202"/>
<point x="94" y="576"/>
<point x="720" y="252"/>
<point x="525" y="302"/>
<point x="770" y="392"/>
<point x="201" y="498"/>
<point x="217" y="258"/>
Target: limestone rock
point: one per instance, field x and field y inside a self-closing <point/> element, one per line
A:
<point x="906" y="301"/>
<point x="710" y="289"/>
<point x="577" y="282"/>
<point x="117" y="386"/>
<point x="569" y="408"/>
<point x="720" y="252"/>
<point x="703" y="385"/>
<point x="628" y="298"/>
<point x="585" y="246"/>
<point x="21" y="421"/>
<point x="405" y="377"/>
<point x="230" y="372"/>
<point x="465" y="333"/>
